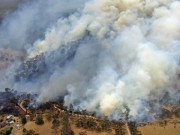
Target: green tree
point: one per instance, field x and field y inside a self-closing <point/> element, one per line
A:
<point x="48" y="117"/>
<point x="23" y="120"/>
<point x="39" y="120"/>
<point x="56" y="123"/>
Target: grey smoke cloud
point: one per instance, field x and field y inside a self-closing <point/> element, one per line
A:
<point x="102" y="56"/>
<point x="7" y="6"/>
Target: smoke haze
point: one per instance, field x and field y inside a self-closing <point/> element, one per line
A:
<point x="103" y="56"/>
<point x="7" y="6"/>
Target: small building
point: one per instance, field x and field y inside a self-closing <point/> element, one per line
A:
<point x="9" y="117"/>
<point x="18" y="126"/>
<point x="11" y="122"/>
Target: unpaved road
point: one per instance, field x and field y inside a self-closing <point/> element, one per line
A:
<point x="127" y="129"/>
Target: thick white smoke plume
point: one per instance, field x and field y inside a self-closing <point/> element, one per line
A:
<point x="103" y="56"/>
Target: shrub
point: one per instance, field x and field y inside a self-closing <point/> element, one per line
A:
<point x="39" y="120"/>
<point x="56" y="123"/>
<point x="23" y="120"/>
<point x="6" y="131"/>
<point x="49" y="117"/>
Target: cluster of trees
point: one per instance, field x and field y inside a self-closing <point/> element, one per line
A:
<point x="66" y="128"/>
<point x="6" y="131"/>
<point x="29" y="132"/>
<point x="49" y="117"/>
<point x="55" y="120"/>
<point x="83" y="133"/>
<point x="169" y="114"/>
<point x="39" y="120"/>
<point x="166" y="114"/>
<point x="23" y="120"/>
<point x="9" y="90"/>
<point x="105" y="125"/>
<point x="66" y="131"/>
<point x="119" y="128"/>
<point x="119" y="131"/>
<point x="1" y="120"/>
<point x="26" y="103"/>
<point x="163" y="123"/>
<point x="46" y="106"/>
<point x="55" y="123"/>
<point x="86" y="123"/>
<point x="133" y="128"/>
<point x="93" y="124"/>
<point x="62" y="119"/>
